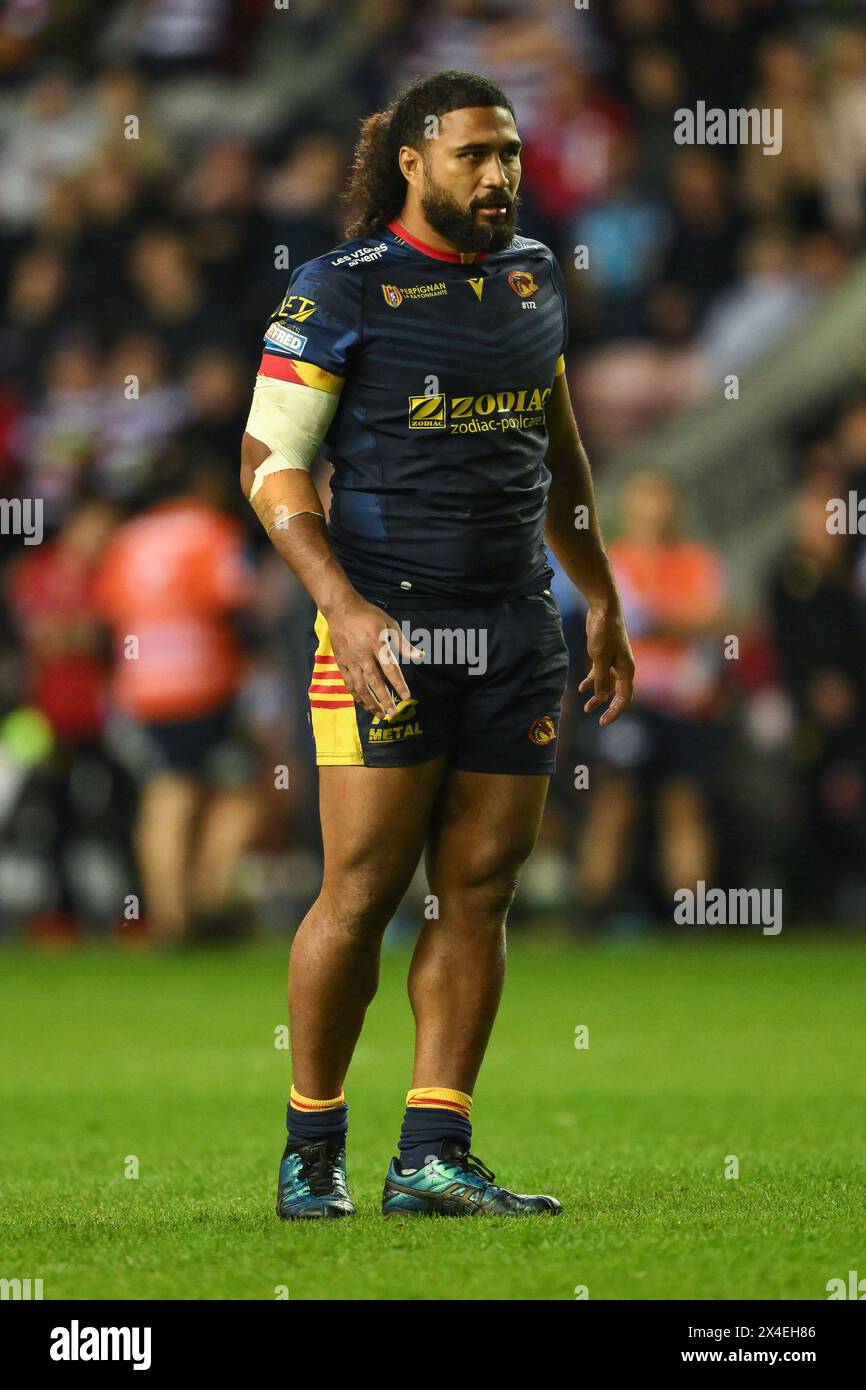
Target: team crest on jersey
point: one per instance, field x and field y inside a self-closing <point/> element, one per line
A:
<point x="393" y="296"/>
<point x="523" y="283"/>
<point x="542" y="731"/>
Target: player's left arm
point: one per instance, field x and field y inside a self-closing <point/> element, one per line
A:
<point x="574" y="536"/>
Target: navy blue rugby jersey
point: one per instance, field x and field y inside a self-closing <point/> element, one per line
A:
<point x="444" y="363"/>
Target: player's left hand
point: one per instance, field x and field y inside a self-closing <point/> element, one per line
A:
<point x="612" y="670"/>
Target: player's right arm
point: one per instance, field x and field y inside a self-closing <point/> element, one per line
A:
<point x="293" y="405"/>
<point x="289" y="508"/>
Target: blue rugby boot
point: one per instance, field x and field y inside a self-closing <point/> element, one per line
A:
<point x="456" y="1184"/>
<point x="312" y="1182"/>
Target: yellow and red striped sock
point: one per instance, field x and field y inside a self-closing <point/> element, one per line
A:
<point x="441" y="1098"/>
<point x="308" y="1119"/>
<point x="433" y="1115"/>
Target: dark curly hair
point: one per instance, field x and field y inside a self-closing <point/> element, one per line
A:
<point x="377" y="189"/>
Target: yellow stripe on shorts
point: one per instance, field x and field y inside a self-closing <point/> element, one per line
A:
<point x="332" y="709"/>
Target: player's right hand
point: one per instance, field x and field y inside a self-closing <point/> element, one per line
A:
<point x="367" y="644"/>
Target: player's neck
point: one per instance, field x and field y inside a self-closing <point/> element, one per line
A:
<point x="415" y="223"/>
<point x="439" y="248"/>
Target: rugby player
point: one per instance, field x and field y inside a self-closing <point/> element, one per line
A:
<point x="425" y="357"/>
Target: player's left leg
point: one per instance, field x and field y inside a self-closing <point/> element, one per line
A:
<point x="484" y="828"/>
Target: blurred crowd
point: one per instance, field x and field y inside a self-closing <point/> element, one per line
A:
<point x="162" y="164"/>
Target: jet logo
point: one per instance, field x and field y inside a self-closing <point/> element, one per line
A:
<point x="297" y="307"/>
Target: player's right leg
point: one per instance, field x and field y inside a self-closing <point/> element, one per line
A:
<point x="374" y="824"/>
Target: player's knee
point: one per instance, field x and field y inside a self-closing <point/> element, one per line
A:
<point x="485" y="890"/>
<point x="490" y="901"/>
<point x="362" y="904"/>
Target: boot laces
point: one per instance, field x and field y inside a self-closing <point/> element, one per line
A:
<point x="473" y="1164"/>
<point x="317" y="1169"/>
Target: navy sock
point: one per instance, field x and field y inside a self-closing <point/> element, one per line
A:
<point x="308" y="1126"/>
<point x="425" y="1131"/>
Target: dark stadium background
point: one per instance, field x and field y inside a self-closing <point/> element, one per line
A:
<point x="155" y="256"/>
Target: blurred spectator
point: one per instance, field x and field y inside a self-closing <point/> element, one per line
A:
<point x="66" y="826"/>
<point x="40" y="296"/>
<point x="217" y="390"/>
<point x="568" y="162"/>
<point x="845" y="148"/>
<point x="172" y="36"/>
<point x="131" y="133"/>
<point x="170" y="581"/>
<point x="55" y="133"/>
<point x="789" y="184"/>
<point x="702" y="253"/>
<point x="748" y="319"/>
<point x="51" y="592"/>
<point x="143" y="408"/>
<point x="302" y="196"/>
<point x="820" y="640"/>
<point x="170" y="293"/>
<point x="661" y="755"/>
<point x="625" y="231"/>
<point x="632" y="385"/>
<point x="657" y="88"/>
<point x="58" y="439"/>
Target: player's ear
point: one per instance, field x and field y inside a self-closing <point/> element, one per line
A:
<point x="410" y="165"/>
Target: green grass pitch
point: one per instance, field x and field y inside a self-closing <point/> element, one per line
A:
<point x="698" y="1050"/>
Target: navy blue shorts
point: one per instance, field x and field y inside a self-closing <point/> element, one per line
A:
<point x="487" y="696"/>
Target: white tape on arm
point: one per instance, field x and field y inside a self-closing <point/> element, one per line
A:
<point x="292" y="421"/>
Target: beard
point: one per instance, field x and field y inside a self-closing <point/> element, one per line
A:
<point x="460" y="225"/>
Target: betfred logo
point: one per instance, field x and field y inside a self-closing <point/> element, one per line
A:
<point x="284" y="337"/>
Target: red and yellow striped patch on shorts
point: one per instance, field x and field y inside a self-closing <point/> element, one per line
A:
<point x="332" y="709"/>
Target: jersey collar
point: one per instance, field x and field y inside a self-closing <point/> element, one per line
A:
<point x="456" y="257"/>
